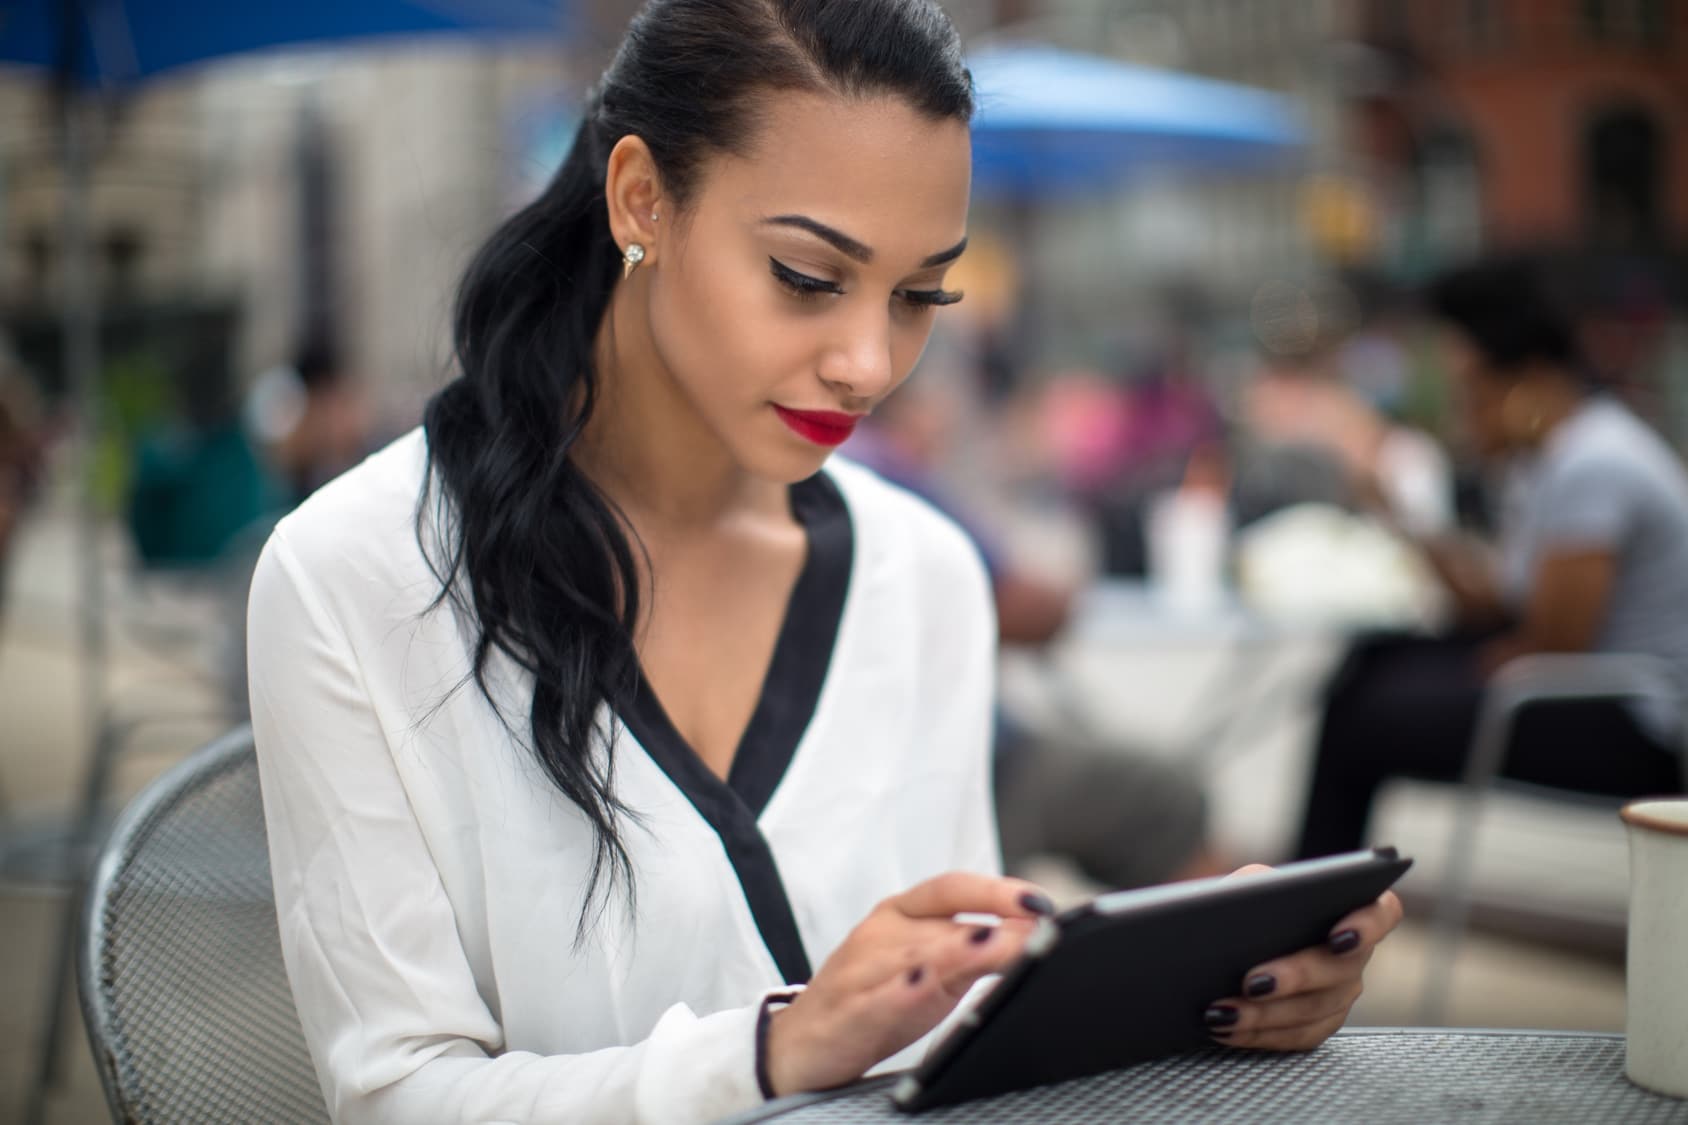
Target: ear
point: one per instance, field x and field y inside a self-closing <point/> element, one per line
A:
<point x="633" y="191"/>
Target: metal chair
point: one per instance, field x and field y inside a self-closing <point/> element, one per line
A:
<point x="193" y="624"/>
<point x="1523" y="681"/>
<point x="183" y="991"/>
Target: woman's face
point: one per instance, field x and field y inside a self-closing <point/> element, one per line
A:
<point x="799" y="287"/>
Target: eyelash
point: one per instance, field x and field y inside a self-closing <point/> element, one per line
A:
<point x="804" y="287"/>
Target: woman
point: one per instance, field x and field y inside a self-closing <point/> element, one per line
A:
<point x="1594" y="558"/>
<point x="593" y="717"/>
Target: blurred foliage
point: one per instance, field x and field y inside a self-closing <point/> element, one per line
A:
<point x="139" y="397"/>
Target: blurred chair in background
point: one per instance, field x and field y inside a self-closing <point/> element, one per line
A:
<point x="23" y="448"/>
<point x="1524" y="682"/>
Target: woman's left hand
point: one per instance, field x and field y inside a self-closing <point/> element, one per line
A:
<point x="1297" y="1002"/>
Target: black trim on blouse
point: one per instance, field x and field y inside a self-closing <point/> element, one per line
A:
<point x="796" y="674"/>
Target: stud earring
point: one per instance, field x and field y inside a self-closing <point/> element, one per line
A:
<point x="631" y="259"/>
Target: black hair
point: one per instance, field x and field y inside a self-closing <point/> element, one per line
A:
<point x="318" y="364"/>
<point x="1510" y="313"/>
<point x="520" y="539"/>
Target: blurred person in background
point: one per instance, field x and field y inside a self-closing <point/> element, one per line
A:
<point x="23" y="442"/>
<point x="621" y="759"/>
<point x="1169" y="413"/>
<point x="312" y="420"/>
<point x="1311" y="404"/>
<point x="1623" y="318"/>
<point x="1593" y="557"/>
<point x="1159" y="420"/>
<point x="1123" y="818"/>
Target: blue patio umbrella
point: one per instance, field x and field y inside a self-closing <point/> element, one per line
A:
<point x="112" y="42"/>
<point x="1057" y="122"/>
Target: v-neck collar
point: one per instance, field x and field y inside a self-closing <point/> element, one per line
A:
<point x="790" y="694"/>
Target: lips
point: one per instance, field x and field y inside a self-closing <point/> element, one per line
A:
<point x="823" y="427"/>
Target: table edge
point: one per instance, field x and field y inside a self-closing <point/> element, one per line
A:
<point x="771" y="1110"/>
<point x="1509" y="1032"/>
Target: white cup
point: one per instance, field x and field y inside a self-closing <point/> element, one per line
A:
<point x="1656" y="1024"/>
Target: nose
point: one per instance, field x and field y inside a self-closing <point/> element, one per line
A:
<point x="858" y="363"/>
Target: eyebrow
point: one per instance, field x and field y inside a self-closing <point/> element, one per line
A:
<point x="852" y="248"/>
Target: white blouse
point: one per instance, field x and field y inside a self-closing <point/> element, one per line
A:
<point x="429" y="878"/>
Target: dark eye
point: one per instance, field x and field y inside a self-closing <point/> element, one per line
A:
<point x="929" y="298"/>
<point x="801" y="284"/>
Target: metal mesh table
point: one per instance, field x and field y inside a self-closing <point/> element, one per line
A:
<point x="1363" y="1075"/>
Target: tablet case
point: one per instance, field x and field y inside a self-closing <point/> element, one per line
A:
<point x="1128" y="976"/>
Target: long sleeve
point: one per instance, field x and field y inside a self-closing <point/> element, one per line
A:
<point x="397" y="1027"/>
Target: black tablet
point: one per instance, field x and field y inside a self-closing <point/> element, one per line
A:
<point x="1128" y="976"/>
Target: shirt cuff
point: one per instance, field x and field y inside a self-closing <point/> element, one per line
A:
<point x="764" y="1017"/>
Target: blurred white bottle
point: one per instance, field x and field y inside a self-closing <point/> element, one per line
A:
<point x="1189" y="536"/>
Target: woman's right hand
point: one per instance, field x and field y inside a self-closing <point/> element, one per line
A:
<point x="897" y="975"/>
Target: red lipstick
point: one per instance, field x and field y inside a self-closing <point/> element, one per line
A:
<point x="823" y="427"/>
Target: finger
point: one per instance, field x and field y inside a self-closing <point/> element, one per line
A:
<point x="952" y="961"/>
<point x="886" y="947"/>
<point x="976" y="951"/>
<point x="1343" y="956"/>
<point x="952" y="967"/>
<point x="1303" y="1038"/>
<point x="931" y="946"/>
<point x="962" y="892"/>
<point x="1367" y="926"/>
<point x="1248" y="870"/>
<point x="1239" y="1016"/>
<point x="1311" y="970"/>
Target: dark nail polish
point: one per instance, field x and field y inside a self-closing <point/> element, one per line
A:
<point x="980" y="935"/>
<point x="1264" y="984"/>
<point x="916" y="975"/>
<point x="1036" y="902"/>
<point x="1222" y="1034"/>
<point x="1345" y="942"/>
<point x="1220" y="1015"/>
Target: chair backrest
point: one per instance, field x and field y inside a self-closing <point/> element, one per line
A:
<point x="185" y="998"/>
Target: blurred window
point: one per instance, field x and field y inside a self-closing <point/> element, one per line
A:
<point x="1652" y="19"/>
<point x="1450" y="191"/>
<point x="1624" y="171"/>
<point x="1599" y="19"/>
<point x="38" y="263"/>
<point x="1386" y="22"/>
<point x="123" y="248"/>
<point x="1483" y="29"/>
<point x="1640" y="22"/>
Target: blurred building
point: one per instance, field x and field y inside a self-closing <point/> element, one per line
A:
<point x="1526" y="123"/>
<point x="145" y="229"/>
<point x="277" y="200"/>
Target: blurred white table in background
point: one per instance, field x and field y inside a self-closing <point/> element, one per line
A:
<point x="1237" y="694"/>
<point x="1220" y="687"/>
